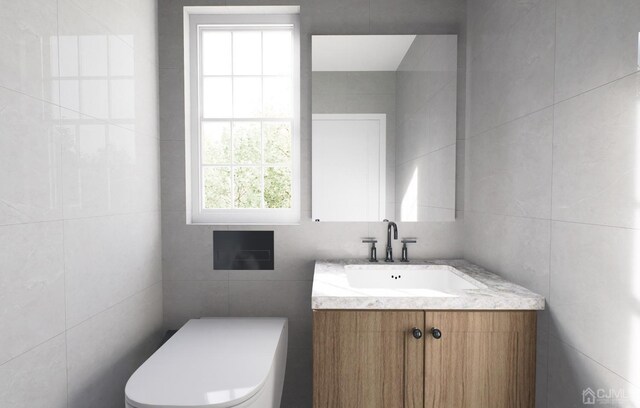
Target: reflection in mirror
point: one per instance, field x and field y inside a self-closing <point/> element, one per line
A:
<point x="384" y="127"/>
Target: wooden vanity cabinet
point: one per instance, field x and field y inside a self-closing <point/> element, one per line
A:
<point x="369" y="359"/>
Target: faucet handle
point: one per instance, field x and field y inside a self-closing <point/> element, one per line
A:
<point x="405" y="252"/>
<point x="373" y="253"/>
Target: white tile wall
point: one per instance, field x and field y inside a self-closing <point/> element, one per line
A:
<point x="513" y="75"/>
<point x="596" y="152"/>
<point x="596" y="44"/>
<point x="37" y="379"/>
<point x="512" y="168"/>
<point x="80" y="297"/>
<point x="551" y="180"/>
<point x="33" y="286"/>
<point x="29" y="159"/>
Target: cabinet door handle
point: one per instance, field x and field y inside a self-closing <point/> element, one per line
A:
<point x="436" y="333"/>
<point x="417" y="333"/>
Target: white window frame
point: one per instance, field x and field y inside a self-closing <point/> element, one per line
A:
<point x="236" y="15"/>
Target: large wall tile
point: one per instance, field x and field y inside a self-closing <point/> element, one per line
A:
<point x="108" y="259"/>
<point x="78" y="119"/>
<point x="30" y="190"/>
<point x="572" y="372"/>
<point x="512" y="168"/>
<point x="490" y="20"/>
<point x="596" y="43"/>
<point x="133" y="22"/>
<point x="172" y="157"/>
<point x="516" y="248"/>
<point x="514" y="75"/>
<point x="105" y="350"/>
<point x="595" y="289"/>
<point x="107" y="169"/>
<point x="184" y="300"/>
<point x="596" y="149"/>
<point x="416" y="17"/>
<point x="336" y="17"/>
<point x="143" y="118"/>
<point x="36" y="379"/>
<point x="32" y="282"/>
<point x="103" y="75"/>
<point x="28" y="42"/>
<point x="270" y="298"/>
<point x="187" y="250"/>
<point x="171" y="104"/>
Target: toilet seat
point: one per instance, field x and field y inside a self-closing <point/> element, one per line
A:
<point x="209" y="363"/>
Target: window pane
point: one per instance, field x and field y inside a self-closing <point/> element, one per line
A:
<point x="216" y="143"/>
<point x="277" y="142"/>
<point x="277" y="52"/>
<point x="247" y="97"/>
<point x="216" y="52"/>
<point x="277" y="97"/>
<point x="246" y="143"/>
<point x="277" y="187"/>
<point x="247" y="187"/>
<point x="216" y="98"/>
<point x="246" y="53"/>
<point x="217" y="187"/>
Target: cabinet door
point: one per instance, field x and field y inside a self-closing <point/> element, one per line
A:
<point x="483" y="359"/>
<point x="367" y="359"/>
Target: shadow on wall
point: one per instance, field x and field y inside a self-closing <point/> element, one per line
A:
<point x="575" y="380"/>
<point x="105" y="387"/>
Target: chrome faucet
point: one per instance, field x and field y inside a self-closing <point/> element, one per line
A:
<point x="389" y="253"/>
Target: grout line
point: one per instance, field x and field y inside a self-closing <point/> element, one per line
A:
<point x="61" y="120"/>
<point x="35" y="347"/>
<point x="482" y="133"/>
<point x="475" y="135"/>
<point x="145" y="55"/>
<point x="553" y="135"/>
<point x="553" y="220"/>
<point x="596" y="87"/>
<point x="64" y="331"/>
<point x="426" y="154"/>
<point x="108" y="308"/>
<point x="62" y="219"/>
<point x="559" y="339"/>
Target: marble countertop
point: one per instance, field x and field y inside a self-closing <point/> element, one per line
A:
<point x="331" y="290"/>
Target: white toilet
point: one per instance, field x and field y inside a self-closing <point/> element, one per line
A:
<point x="215" y="362"/>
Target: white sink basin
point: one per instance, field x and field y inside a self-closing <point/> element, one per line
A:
<point x="410" y="278"/>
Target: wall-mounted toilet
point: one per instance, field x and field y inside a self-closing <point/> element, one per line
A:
<point x="215" y="362"/>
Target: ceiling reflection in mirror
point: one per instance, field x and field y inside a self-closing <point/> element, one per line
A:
<point x="384" y="127"/>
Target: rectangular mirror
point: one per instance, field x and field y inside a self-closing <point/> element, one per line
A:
<point x="384" y="127"/>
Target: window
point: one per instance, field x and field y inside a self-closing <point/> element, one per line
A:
<point x="242" y="115"/>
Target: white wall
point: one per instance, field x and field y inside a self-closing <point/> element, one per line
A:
<point x="552" y="179"/>
<point x="191" y="287"/>
<point x="80" y="263"/>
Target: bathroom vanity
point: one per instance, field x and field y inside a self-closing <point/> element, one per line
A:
<point x="423" y="334"/>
